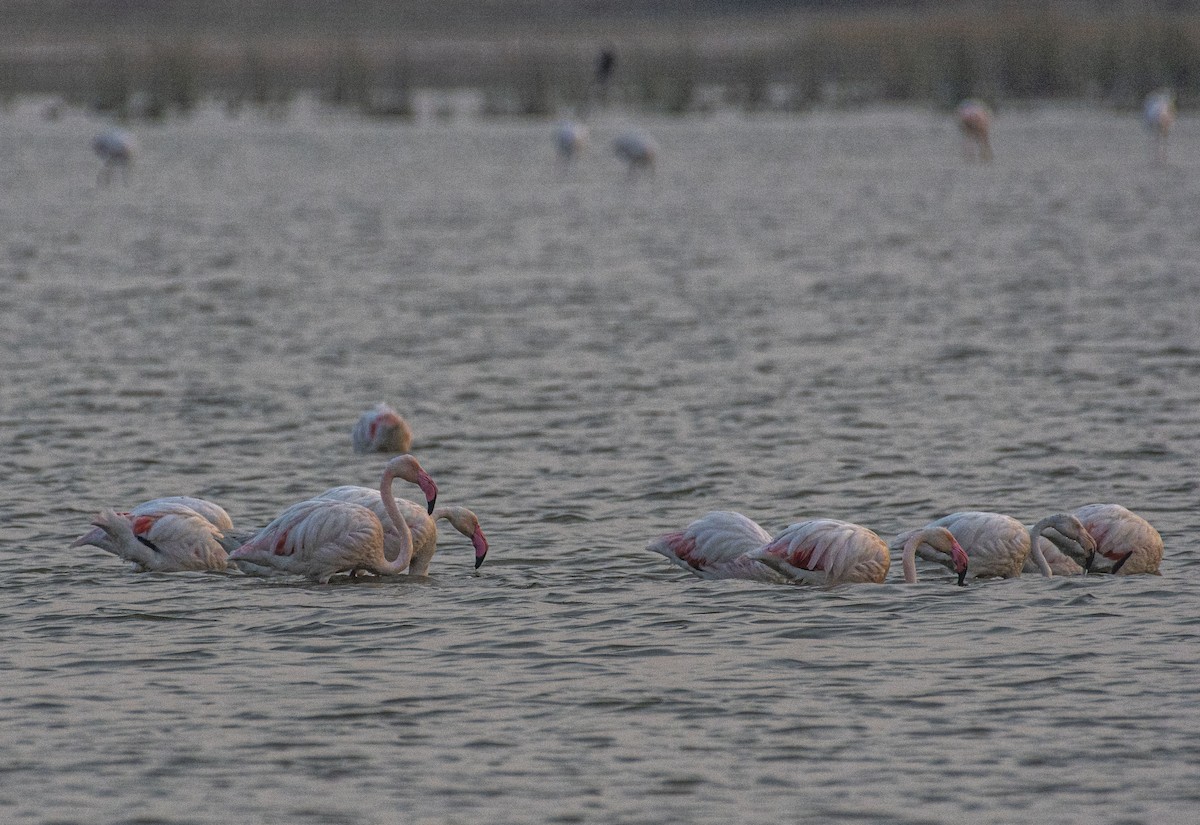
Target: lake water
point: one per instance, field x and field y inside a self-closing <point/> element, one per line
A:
<point x="831" y="315"/>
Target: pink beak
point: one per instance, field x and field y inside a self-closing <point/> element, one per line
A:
<point x="481" y="546"/>
<point x="429" y="489"/>
<point x="961" y="561"/>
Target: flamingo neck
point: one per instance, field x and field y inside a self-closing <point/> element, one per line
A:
<point x="910" y="559"/>
<point x="1035" y="548"/>
<point x="400" y="563"/>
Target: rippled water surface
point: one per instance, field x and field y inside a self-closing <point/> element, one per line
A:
<point x="825" y="316"/>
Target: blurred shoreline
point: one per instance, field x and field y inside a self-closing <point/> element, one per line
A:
<point x="537" y="57"/>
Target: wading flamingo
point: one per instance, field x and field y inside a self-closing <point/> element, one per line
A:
<point x="1126" y="543"/>
<point x="319" y="538"/>
<point x="161" y="535"/>
<point x="570" y="138"/>
<point x="381" y="430"/>
<point x="975" y="122"/>
<point x="1158" y="113"/>
<point x="714" y="545"/>
<point x="829" y="552"/>
<point x="421" y="524"/>
<point x="115" y="148"/>
<point x="638" y="150"/>
<point x="998" y="545"/>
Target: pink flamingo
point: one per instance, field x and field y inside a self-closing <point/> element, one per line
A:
<point x="421" y="524"/>
<point x="115" y="148"/>
<point x="1158" y="113"/>
<point x="570" y="137"/>
<point x="822" y="551"/>
<point x="829" y="552"/>
<point x="998" y="545"/>
<point x="1126" y="543"/>
<point x="975" y="121"/>
<point x="163" y="535"/>
<point x="381" y="430"/>
<point x="319" y="538"/>
<point x="638" y="150"/>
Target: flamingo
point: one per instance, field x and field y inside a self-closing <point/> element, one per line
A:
<point x="421" y="524"/>
<point x="975" y="121"/>
<point x="320" y="537"/>
<point x="115" y="148"/>
<point x="1126" y="543"/>
<point x="826" y="551"/>
<point x="1158" y="113"/>
<point x="570" y="137"/>
<point x="637" y="149"/>
<point x="726" y="545"/>
<point x="164" y="535"/>
<point x="998" y="545"/>
<point x="714" y="547"/>
<point x="381" y="430"/>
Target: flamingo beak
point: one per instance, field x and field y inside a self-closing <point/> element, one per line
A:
<point x="961" y="562"/>
<point x="481" y="546"/>
<point x="962" y="575"/>
<point x="1087" y="566"/>
<point x="429" y="489"/>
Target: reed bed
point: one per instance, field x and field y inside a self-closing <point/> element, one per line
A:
<point x="784" y="63"/>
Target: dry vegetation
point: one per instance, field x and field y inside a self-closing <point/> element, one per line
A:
<point x="535" y="57"/>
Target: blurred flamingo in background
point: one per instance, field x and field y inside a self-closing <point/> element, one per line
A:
<point x="116" y="148"/>
<point x="319" y="538"/>
<point x="570" y="138"/>
<point x="998" y="545"/>
<point x="381" y="430"/>
<point x="1158" y="113"/>
<point x="638" y="150"/>
<point x="975" y="122"/>
<point x="164" y="535"/>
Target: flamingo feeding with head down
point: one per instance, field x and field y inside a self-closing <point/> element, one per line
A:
<point x="998" y="545"/>
<point x="381" y="430"/>
<point x="164" y="535"/>
<point x="1126" y="543"/>
<point x="319" y="538"/>
<point x="1158" y="113"/>
<point x="421" y="524"/>
<point x="725" y="545"/>
<point x="826" y="551"/>
<point x="975" y="123"/>
<point x="115" y="148"/>
<point x="638" y="150"/>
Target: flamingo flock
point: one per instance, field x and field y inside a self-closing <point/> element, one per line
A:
<point x="1096" y="538"/>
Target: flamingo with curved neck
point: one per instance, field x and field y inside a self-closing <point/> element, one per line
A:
<point x="939" y="540"/>
<point x="321" y="537"/>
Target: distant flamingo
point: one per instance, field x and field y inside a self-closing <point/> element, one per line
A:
<point x="714" y="545"/>
<point x="163" y="535"/>
<point x="381" y="430"/>
<point x="829" y="552"/>
<point x="1126" y="543"/>
<point x="638" y="150"/>
<point x="570" y="138"/>
<point x="998" y="545"/>
<point x="116" y="148"/>
<point x="319" y="538"/>
<point x="1158" y="113"/>
<point x="975" y="122"/>
<point x="421" y="524"/>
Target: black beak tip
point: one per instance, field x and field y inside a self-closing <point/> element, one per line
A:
<point x="429" y="505"/>
<point x="962" y="579"/>
<point x="478" y="562"/>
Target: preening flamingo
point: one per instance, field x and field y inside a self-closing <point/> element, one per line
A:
<point x="975" y="122"/>
<point x="998" y="545"/>
<point x="637" y="149"/>
<point x="714" y="545"/>
<point x="421" y="524"/>
<point x="162" y="535"/>
<point x="1158" y="113"/>
<point x="116" y="148"/>
<point x="320" y="537"/>
<point x="1126" y="543"/>
<point x="381" y="430"/>
<point x="570" y="137"/>
<point x="828" y="552"/>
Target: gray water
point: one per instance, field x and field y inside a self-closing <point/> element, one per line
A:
<point x="832" y="315"/>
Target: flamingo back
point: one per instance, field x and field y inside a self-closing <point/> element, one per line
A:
<point x="1119" y="532"/>
<point x="827" y="551"/>
<point x="715" y="538"/>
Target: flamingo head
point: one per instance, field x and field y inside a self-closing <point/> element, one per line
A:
<point x="481" y="546"/>
<point x="961" y="560"/>
<point x="467" y="523"/>
<point x="1067" y="533"/>
<point x="942" y="540"/>
<point x="408" y="468"/>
